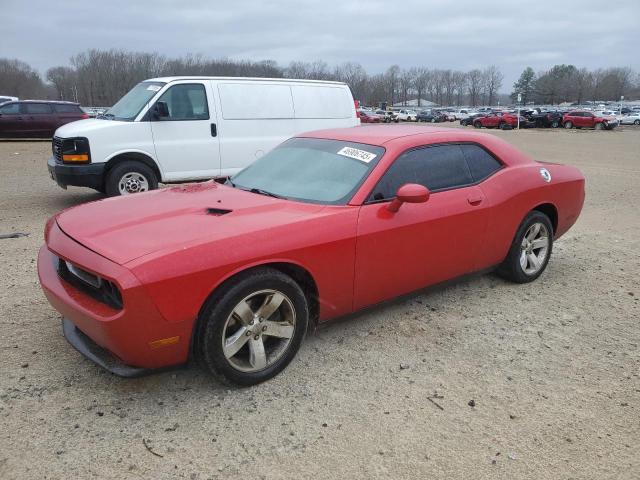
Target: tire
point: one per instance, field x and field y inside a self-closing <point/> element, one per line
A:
<point x="433" y="120"/>
<point x="512" y="267"/>
<point x="130" y="177"/>
<point x="599" y="126"/>
<point x="477" y="125"/>
<point x="568" y="125"/>
<point x="503" y="126"/>
<point x="555" y="124"/>
<point x="217" y="322"/>
<point x="637" y="122"/>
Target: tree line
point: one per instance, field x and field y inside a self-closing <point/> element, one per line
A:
<point x="567" y="83"/>
<point x="101" y="77"/>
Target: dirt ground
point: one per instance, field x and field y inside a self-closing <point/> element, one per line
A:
<point x="553" y="367"/>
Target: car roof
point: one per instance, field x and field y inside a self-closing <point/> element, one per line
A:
<point x="252" y="79"/>
<point x="60" y="102"/>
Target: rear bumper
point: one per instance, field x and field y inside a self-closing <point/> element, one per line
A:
<point x="89" y="175"/>
<point x="128" y="338"/>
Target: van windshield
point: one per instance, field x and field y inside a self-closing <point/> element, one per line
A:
<point x="129" y="106"/>
<point x="310" y="170"/>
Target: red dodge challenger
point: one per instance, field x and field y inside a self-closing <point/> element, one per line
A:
<point x="326" y="224"/>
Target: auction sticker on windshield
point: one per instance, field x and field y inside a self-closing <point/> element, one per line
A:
<point x="356" y="153"/>
<point x="154" y="88"/>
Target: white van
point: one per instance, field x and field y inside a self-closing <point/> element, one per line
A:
<point x="178" y="129"/>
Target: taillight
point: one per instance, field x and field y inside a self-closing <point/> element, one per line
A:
<point x="84" y="115"/>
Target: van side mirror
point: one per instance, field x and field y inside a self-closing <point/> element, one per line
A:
<point x="409" y="193"/>
<point x="160" y="110"/>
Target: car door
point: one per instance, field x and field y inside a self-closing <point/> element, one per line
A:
<point x="10" y="120"/>
<point x="424" y="243"/>
<point x="38" y="119"/>
<point x="186" y="141"/>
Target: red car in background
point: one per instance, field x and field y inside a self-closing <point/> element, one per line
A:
<point x="586" y="119"/>
<point x="502" y="120"/>
<point x="325" y="224"/>
<point x="36" y="118"/>
<point x="370" y="117"/>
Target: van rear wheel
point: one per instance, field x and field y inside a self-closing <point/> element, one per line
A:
<point x="130" y="177"/>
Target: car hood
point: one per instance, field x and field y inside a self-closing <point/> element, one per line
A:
<point x="123" y="229"/>
<point x="83" y="128"/>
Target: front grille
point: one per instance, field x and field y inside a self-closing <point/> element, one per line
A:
<point x="94" y="286"/>
<point x="56" y="147"/>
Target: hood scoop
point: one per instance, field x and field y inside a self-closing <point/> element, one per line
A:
<point x="217" y="212"/>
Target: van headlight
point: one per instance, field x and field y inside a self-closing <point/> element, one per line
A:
<point x="75" y="150"/>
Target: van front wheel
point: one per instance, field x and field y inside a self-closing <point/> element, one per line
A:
<point x="130" y="177"/>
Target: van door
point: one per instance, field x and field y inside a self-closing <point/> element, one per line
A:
<point x="186" y="140"/>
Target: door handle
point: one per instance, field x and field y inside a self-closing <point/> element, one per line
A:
<point x="474" y="199"/>
<point x="214" y="130"/>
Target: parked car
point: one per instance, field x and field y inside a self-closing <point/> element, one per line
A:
<point x="462" y="113"/>
<point x="7" y="98"/>
<point x="432" y="116"/>
<point x="407" y="115"/>
<point x="630" y="119"/>
<point x="469" y="120"/>
<point x="178" y="272"/>
<point x="546" y="119"/>
<point x="36" y="118"/>
<point x="387" y="116"/>
<point x="176" y="129"/>
<point x="502" y="120"/>
<point x="370" y="117"/>
<point x="585" y="119"/>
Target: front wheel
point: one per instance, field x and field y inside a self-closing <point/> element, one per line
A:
<point x="477" y="124"/>
<point x="251" y="330"/>
<point x="599" y="126"/>
<point x="555" y="124"/>
<point x="530" y="251"/>
<point x="130" y="177"/>
<point x="637" y="122"/>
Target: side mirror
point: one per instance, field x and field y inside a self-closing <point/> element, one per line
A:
<point x="409" y="193"/>
<point x="160" y="110"/>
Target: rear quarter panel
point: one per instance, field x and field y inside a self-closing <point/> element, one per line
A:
<point x="514" y="191"/>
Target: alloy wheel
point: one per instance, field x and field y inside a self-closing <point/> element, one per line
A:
<point x="259" y="330"/>
<point x="534" y="248"/>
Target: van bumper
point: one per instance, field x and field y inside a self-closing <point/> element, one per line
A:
<point x="90" y="175"/>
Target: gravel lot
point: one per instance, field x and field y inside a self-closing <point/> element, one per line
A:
<point x="552" y="367"/>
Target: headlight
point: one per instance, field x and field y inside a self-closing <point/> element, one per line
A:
<point x="76" y="150"/>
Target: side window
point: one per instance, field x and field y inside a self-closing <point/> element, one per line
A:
<point x="438" y="168"/>
<point x="64" y="108"/>
<point x="11" y="109"/>
<point x="186" y="102"/>
<point x="481" y="163"/>
<point x="36" y="108"/>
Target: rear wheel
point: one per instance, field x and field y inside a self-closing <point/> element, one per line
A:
<point x="251" y="330"/>
<point x="530" y="251"/>
<point x="130" y="177"/>
<point x="568" y="125"/>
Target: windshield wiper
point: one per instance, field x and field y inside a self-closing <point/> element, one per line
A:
<point x="264" y="192"/>
<point x="106" y="116"/>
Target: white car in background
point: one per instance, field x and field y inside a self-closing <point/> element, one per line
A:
<point x="407" y="115"/>
<point x="462" y="113"/>
<point x="630" y="119"/>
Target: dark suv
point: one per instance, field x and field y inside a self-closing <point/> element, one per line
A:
<point x="36" y="118"/>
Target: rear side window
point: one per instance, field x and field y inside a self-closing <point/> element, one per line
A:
<point x="62" y="108"/>
<point x="481" y="163"/>
<point x="11" y="109"/>
<point x="321" y="102"/>
<point x="186" y="101"/>
<point x="35" y="108"/>
<point x="440" y="167"/>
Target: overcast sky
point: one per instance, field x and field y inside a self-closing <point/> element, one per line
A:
<point x="456" y="34"/>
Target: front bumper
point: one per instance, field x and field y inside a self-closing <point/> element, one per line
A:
<point x="124" y="341"/>
<point x="86" y="175"/>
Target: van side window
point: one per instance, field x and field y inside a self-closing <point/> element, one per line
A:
<point x="440" y="167"/>
<point x="10" y="109"/>
<point x="36" y="108"/>
<point x="187" y="101"/>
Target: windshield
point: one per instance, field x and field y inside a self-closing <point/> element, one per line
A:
<point x="129" y="106"/>
<point x="311" y="170"/>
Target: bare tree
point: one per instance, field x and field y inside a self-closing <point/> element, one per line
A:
<point x="474" y="86"/>
<point x="492" y="77"/>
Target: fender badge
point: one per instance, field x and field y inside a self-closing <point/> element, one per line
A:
<point x="546" y="176"/>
